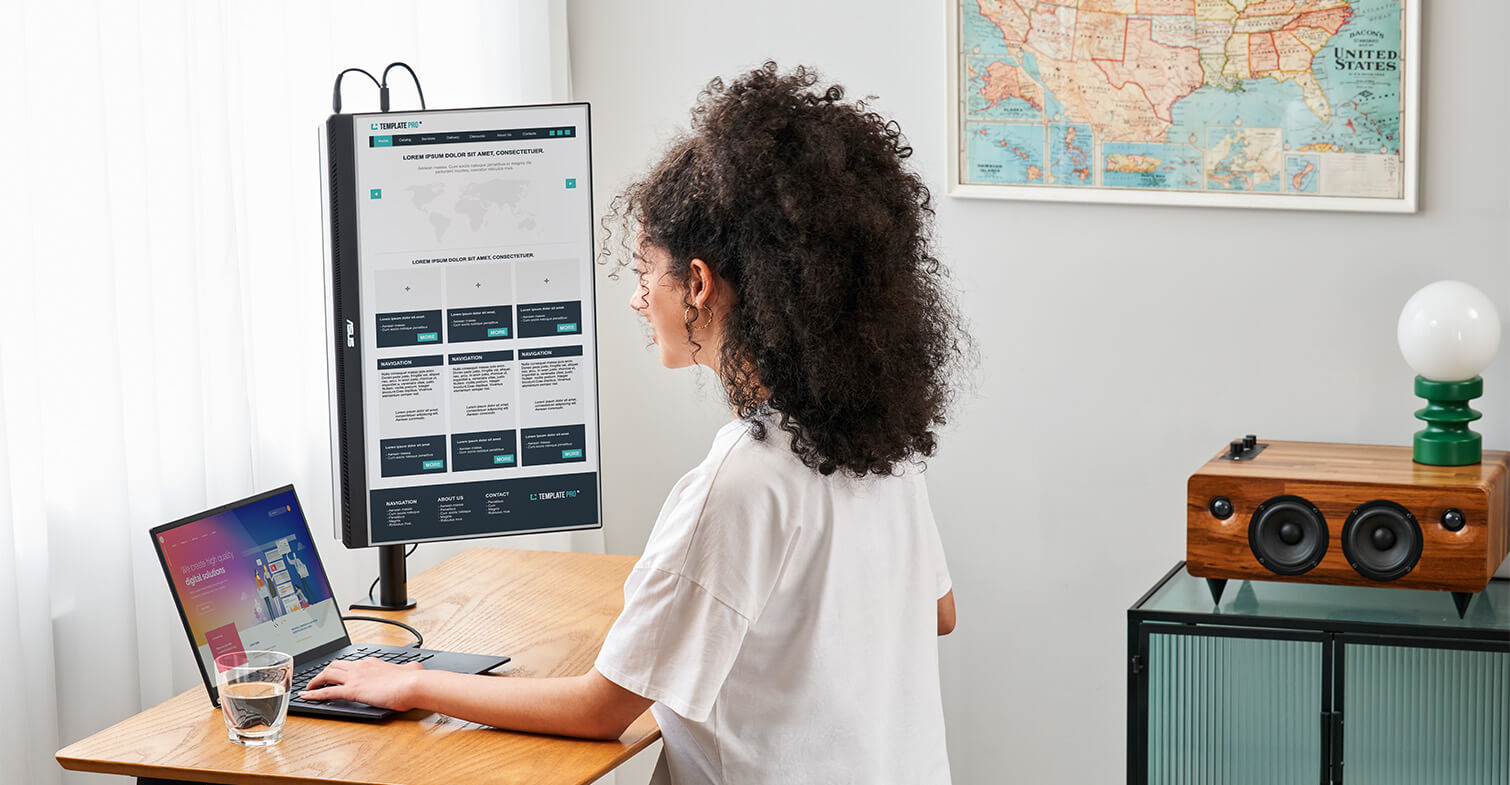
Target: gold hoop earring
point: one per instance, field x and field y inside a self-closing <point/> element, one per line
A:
<point x="689" y="315"/>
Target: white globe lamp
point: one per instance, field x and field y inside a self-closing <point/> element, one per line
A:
<point x="1448" y="333"/>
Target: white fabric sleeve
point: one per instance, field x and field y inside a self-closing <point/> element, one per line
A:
<point x="674" y="643"/>
<point x="943" y="583"/>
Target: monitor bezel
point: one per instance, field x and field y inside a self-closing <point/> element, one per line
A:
<point x="353" y="516"/>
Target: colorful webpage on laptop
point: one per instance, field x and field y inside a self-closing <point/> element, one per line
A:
<point x="248" y="578"/>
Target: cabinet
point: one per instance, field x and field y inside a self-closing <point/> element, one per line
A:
<point x="1294" y="683"/>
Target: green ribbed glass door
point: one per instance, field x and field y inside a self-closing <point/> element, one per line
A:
<point x="1233" y="707"/>
<point x="1424" y="716"/>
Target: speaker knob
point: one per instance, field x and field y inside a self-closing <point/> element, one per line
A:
<point x="1454" y="520"/>
<point x="1221" y="507"/>
<point x="1288" y="535"/>
<point x="1381" y="540"/>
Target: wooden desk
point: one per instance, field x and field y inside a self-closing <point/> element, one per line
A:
<point x="549" y="611"/>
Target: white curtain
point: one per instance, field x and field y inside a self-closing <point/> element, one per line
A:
<point x="161" y="304"/>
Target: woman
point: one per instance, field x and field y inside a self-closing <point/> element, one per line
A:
<point x="781" y="622"/>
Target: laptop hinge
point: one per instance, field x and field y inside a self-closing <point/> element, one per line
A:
<point x="323" y="651"/>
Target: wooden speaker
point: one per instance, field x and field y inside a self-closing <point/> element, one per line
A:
<point x="1347" y="514"/>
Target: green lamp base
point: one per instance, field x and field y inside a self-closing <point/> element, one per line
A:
<point x="1447" y="441"/>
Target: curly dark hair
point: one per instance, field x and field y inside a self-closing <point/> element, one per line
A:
<point x="843" y="332"/>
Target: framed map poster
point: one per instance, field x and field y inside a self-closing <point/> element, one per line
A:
<point x="1297" y="104"/>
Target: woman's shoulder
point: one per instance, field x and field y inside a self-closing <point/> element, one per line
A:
<point x="753" y="463"/>
<point x="740" y="491"/>
<point x="752" y="481"/>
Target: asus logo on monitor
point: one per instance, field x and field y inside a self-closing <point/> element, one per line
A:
<point x="351" y="335"/>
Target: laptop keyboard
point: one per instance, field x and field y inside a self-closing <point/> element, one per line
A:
<point x="396" y="656"/>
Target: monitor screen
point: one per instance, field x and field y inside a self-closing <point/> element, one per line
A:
<point x="247" y="577"/>
<point x="464" y="343"/>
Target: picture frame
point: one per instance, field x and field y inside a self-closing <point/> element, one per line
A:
<point x="1094" y="188"/>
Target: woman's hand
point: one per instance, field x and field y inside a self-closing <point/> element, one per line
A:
<point x="373" y="682"/>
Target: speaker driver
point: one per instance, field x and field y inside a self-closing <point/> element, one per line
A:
<point x="1381" y="540"/>
<point x="1288" y="535"/>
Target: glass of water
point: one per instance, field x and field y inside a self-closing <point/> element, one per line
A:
<point x="254" y="695"/>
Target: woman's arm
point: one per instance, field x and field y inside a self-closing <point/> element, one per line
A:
<point x="587" y="706"/>
<point x="946" y="613"/>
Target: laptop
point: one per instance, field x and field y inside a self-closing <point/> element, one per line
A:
<point x="246" y="576"/>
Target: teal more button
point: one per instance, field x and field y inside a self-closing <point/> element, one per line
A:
<point x="498" y="332"/>
<point x="427" y="337"/>
<point x="429" y="465"/>
<point x="571" y="453"/>
<point x="566" y="327"/>
<point x="498" y="459"/>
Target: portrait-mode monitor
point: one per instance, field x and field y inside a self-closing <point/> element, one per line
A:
<point x="247" y="577"/>
<point x="463" y="339"/>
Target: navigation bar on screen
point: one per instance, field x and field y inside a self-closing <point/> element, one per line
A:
<point x="407" y="140"/>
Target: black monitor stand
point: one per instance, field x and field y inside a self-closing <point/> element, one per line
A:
<point x="393" y="583"/>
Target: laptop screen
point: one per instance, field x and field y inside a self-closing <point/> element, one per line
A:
<point x="247" y="577"/>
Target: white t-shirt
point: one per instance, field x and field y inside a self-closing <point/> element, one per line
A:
<point x="786" y="623"/>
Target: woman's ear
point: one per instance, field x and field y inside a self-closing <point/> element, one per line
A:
<point x="702" y="283"/>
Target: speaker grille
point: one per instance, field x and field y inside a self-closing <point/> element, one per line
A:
<point x="1288" y="535"/>
<point x="1381" y="540"/>
<point x="339" y="334"/>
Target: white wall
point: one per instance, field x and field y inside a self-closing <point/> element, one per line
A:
<point x="1121" y="346"/>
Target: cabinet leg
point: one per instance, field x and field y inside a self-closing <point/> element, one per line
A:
<point x="1461" y="599"/>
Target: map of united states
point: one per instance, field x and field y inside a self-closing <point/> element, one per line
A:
<point x="1122" y="74"/>
<point x="1301" y="97"/>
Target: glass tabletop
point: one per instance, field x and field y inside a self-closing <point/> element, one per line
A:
<point x="1183" y="593"/>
